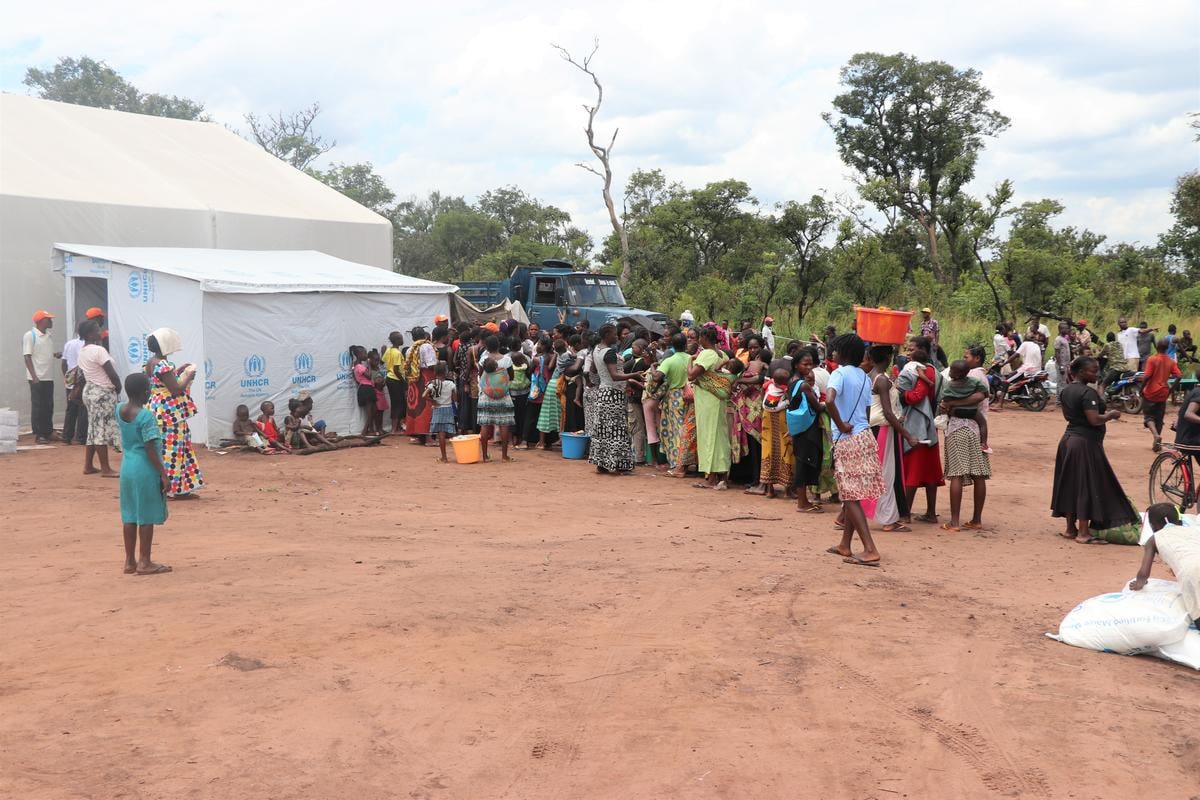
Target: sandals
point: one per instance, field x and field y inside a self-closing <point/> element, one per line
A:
<point x="810" y="509"/>
<point x="896" y="527"/>
<point x="946" y="526"/>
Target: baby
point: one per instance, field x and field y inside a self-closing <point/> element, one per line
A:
<point x="956" y="399"/>
<point x="777" y="389"/>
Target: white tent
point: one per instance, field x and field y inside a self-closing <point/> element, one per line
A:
<point x="260" y="324"/>
<point x="76" y="174"/>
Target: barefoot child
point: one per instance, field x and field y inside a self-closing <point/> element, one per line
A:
<point x="443" y="394"/>
<point x="495" y="406"/>
<point x="958" y="398"/>
<point x="267" y="428"/>
<point x="292" y="425"/>
<point x="245" y="431"/>
<point x="144" y="482"/>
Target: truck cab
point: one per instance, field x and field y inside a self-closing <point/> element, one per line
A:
<point x="555" y="293"/>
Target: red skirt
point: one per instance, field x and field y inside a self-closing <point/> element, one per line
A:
<point x="419" y="412"/>
<point x="923" y="467"/>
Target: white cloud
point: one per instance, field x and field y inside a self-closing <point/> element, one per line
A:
<point x="467" y="96"/>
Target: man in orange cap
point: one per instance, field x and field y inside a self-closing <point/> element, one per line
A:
<point x="97" y="314"/>
<point x="38" y="348"/>
<point x="493" y="327"/>
<point x="440" y="319"/>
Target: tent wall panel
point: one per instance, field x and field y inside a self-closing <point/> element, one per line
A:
<point x="273" y="346"/>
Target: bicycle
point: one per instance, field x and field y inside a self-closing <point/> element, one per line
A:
<point x="1172" y="477"/>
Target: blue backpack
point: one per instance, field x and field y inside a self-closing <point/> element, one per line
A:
<point x="802" y="418"/>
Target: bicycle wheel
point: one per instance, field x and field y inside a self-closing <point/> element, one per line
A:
<point x="1170" y="481"/>
<point x="1038" y="397"/>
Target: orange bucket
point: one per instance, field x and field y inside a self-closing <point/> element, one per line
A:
<point x="882" y="325"/>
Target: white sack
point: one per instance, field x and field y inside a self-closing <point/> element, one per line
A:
<point x="1186" y="651"/>
<point x="1128" y="622"/>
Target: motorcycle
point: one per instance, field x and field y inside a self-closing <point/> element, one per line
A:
<point x="1127" y="391"/>
<point x="1027" y="391"/>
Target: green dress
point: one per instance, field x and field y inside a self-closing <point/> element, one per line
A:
<point x="142" y="500"/>
<point x="713" y="447"/>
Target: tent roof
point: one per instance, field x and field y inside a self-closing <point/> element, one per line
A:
<point x="258" y="271"/>
<point x="77" y="153"/>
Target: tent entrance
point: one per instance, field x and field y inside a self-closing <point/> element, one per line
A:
<point x="88" y="293"/>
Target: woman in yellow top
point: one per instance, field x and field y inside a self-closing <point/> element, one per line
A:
<point x="712" y="391"/>
<point x="393" y="365"/>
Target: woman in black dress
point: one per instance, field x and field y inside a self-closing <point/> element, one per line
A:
<point x="1086" y="490"/>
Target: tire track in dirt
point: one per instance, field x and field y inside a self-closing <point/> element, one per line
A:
<point x="996" y="770"/>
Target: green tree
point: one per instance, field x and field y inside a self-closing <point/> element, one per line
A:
<point x="1181" y="243"/>
<point x="463" y="237"/>
<point x="360" y="183"/>
<point x="865" y="270"/>
<point x="290" y="136"/>
<point x="913" y="131"/>
<point x="806" y="226"/>
<point x="87" y="82"/>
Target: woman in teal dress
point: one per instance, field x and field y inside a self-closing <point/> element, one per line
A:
<point x="144" y="481"/>
<point x="712" y="390"/>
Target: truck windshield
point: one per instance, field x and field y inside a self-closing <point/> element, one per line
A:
<point x="594" y="290"/>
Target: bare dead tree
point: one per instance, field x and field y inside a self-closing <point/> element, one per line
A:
<point x="602" y="153"/>
<point x="290" y="137"/>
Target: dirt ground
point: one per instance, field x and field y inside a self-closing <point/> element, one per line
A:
<point x="369" y="624"/>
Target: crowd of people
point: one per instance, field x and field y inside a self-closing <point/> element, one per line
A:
<point x="835" y="423"/>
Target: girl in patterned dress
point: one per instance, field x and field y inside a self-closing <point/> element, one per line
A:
<point x="172" y="406"/>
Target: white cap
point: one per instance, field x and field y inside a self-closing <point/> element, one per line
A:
<point x="687" y="315"/>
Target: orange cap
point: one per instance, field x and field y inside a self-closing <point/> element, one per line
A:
<point x="493" y="327"/>
<point x="94" y="312"/>
<point x="440" y="318"/>
<point x="38" y="316"/>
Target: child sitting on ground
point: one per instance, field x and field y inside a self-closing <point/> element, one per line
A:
<point x="267" y="428"/>
<point x="442" y="393"/>
<point x="314" y="430"/>
<point x="292" y="424"/>
<point x="957" y="399"/>
<point x="245" y="431"/>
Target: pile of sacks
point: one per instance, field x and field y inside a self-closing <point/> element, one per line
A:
<point x="8" y="431"/>
<point x="1150" y="621"/>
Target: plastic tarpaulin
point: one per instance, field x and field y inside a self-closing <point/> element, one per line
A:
<point x="273" y="346"/>
<point x="463" y="309"/>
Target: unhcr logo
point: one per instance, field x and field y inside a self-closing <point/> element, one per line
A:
<point x="136" y="350"/>
<point x="344" y="360"/>
<point x="303" y="362"/>
<point x="210" y="385"/>
<point x="141" y="285"/>
<point x="255" y="367"/>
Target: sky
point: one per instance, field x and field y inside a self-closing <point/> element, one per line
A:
<point x="463" y="97"/>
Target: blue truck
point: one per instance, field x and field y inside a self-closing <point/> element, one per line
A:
<point x="556" y="292"/>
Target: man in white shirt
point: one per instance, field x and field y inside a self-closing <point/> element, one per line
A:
<point x="768" y="335"/>
<point x="75" y="422"/>
<point x="1030" y="353"/>
<point x="37" y="346"/>
<point x="1128" y="337"/>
